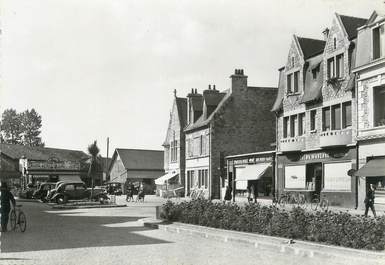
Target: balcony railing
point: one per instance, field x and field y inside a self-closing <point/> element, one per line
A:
<point x="335" y="138"/>
<point x="292" y="144"/>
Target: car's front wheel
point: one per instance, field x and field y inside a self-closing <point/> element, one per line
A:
<point x="61" y="200"/>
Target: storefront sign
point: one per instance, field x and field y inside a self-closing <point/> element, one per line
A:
<point x="55" y="165"/>
<point x="252" y="160"/>
<point x="322" y="155"/>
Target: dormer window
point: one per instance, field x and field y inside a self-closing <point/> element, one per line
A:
<point x="335" y="66"/>
<point x="296" y="82"/>
<point x="292" y="82"/>
<point x="378" y="42"/>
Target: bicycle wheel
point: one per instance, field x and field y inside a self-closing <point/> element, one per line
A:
<point x="12" y="219"/>
<point x="22" y="222"/>
<point x="282" y="201"/>
<point x="324" y="205"/>
<point x="314" y="204"/>
<point x="302" y="201"/>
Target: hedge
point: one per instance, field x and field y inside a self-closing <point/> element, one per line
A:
<point x="340" y="229"/>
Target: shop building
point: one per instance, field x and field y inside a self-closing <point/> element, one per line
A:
<point x="137" y="166"/>
<point x="316" y="125"/>
<point x="221" y="124"/>
<point x="254" y="169"/>
<point x="174" y="148"/>
<point x="370" y="72"/>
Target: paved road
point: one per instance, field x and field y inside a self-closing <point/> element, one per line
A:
<point x="113" y="236"/>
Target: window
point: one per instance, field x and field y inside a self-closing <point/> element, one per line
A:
<point x="336" y="176"/>
<point x="289" y="77"/>
<point x="296" y="82"/>
<point x="206" y="178"/>
<point x="312" y="119"/>
<point x="189" y="148"/>
<point x="69" y="187"/>
<point x="340" y="65"/>
<point x="330" y="67"/>
<point x="326" y="119"/>
<point x="285" y="127"/>
<point x="292" y="61"/>
<point x="199" y="178"/>
<point x="379" y="106"/>
<point x="196" y="146"/>
<point x="336" y="117"/>
<point x="378" y="42"/>
<point x="346" y="115"/>
<point x="203" y="145"/>
<point x="301" y="124"/>
<point x="174" y="150"/>
<point x="335" y="43"/>
<point x="314" y="73"/>
<point x="293" y="125"/>
<point x="295" y="177"/>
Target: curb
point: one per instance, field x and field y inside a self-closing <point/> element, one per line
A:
<point x="263" y="242"/>
<point x="64" y="207"/>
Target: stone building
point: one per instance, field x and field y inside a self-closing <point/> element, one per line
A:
<point x="174" y="146"/>
<point x="225" y="123"/>
<point x="315" y="108"/>
<point x="137" y="166"/>
<point x="370" y="72"/>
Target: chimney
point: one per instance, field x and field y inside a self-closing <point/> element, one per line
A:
<point x="213" y="87"/>
<point x="238" y="81"/>
<point x="326" y="34"/>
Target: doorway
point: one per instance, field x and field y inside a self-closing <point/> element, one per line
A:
<point x="314" y="177"/>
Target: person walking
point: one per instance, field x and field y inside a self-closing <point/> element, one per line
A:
<point x="369" y="200"/>
<point x="6" y="200"/>
<point x="228" y="193"/>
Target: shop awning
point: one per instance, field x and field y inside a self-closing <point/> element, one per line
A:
<point x="251" y="172"/>
<point x="374" y="168"/>
<point x="164" y="178"/>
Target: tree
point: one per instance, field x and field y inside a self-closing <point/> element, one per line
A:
<point x="93" y="151"/>
<point x="11" y="127"/>
<point x="30" y="126"/>
<point x="21" y="128"/>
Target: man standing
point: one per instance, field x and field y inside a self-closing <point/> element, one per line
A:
<point x="369" y="200"/>
<point x="6" y="199"/>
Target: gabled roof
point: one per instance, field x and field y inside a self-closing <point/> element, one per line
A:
<point x="181" y="104"/>
<point x="313" y="87"/>
<point x="137" y="159"/>
<point x="351" y="24"/>
<point x="311" y="47"/>
<point x="41" y="153"/>
<point x="213" y="99"/>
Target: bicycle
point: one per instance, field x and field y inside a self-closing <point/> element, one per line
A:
<point x="17" y="218"/>
<point x="298" y="199"/>
<point x="321" y="203"/>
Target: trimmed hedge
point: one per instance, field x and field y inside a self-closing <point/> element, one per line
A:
<point x="340" y="229"/>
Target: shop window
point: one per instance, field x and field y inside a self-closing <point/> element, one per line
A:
<point x="295" y="177"/>
<point x="346" y="115"/>
<point x="296" y="81"/>
<point x="330" y="68"/>
<point x="378" y="42"/>
<point x="288" y="83"/>
<point x="336" y="117"/>
<point x="340" y="65"/>
<point x="379" y="106"/>
<point x="285" y="127"/>
<point x="326" y="119"/>
<point x="336" y="176"/>
<point x="312" y="119"/>
<point x="301" y="124"/>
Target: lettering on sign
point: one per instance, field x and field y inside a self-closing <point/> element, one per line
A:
<point x="252" y="160"/>
<point x="67" y="165"/>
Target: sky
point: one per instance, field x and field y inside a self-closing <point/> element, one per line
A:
<point x="108" y="68"/>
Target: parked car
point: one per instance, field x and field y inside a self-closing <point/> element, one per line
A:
<point x="114" y="188"/>
<point x="42" y="191"/>
<point x="76" y="191"/>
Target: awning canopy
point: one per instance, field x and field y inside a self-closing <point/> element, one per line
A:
<point x="164" y="178"/>
<point x="251" y="172"/>
<point x="374" y="168"/>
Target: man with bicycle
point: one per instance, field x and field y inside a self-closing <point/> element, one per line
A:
<point x="6" y="200"/>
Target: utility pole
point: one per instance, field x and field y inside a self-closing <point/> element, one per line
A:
<point x="107" y="164"/>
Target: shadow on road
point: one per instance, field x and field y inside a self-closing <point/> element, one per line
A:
<point x="49" y="231"/>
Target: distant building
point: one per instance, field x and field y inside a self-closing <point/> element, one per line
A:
<point x="370" y="72"/>
<point x="174" y="145"/>
<point x="137" y="165"/>
<point x="39" y="164"/>
<point x="315" y="108"/>
<point x="225" y="123"/>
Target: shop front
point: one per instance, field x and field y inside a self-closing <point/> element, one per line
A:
<point x="324" y="173"/>
<point x="253" y="171"/>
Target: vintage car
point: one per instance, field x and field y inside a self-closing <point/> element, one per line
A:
<point x="42" y="191"/>
<point x="76" y="191"/>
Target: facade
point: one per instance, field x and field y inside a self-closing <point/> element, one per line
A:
<point x="370" y="72"/>
<point x="316" y="125"/>
<point x="137" y="166"/>
<point x="254" y="169"/>
<point x="174" y="146"/>
<point x="40" y="164"/>
<point x="225" y="123"/>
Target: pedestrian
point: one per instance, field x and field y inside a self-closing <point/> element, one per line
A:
<point x="228" y="193"/>
<point x="255" y="192"/>
<point x="252" y="193"/>
<point x="6" y="200"/>
<point x="248" y="193"/>
<point x="369" y="200"/>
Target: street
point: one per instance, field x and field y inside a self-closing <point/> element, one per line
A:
<point x="112" y="236"/>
